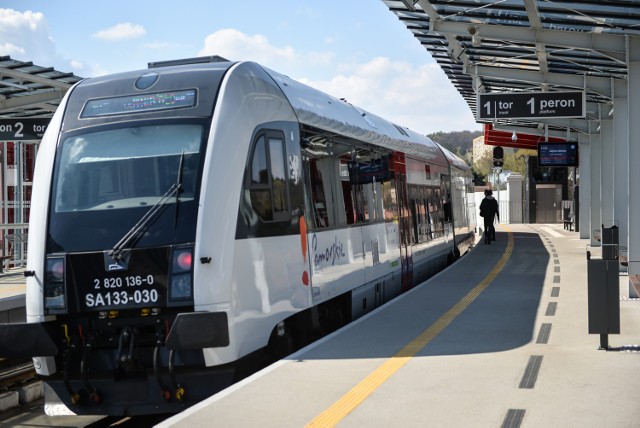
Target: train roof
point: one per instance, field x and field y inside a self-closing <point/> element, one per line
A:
<point x="320" y="110"/>
<point x="312" y="107"/>
<point x="454" y="160"/>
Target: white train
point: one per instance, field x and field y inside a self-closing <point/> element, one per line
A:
<point x="191" y="218"/>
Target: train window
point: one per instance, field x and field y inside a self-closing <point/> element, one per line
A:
<point x="328" y="183"/>
<point x="348" y="184"/>
<point x="446" y="198"/>
<point x="416" y="221"/>
<point x="437" y="217"/>
<point x="369" y="171"/>
<point x="428" y="227"/>
<point x="259" y="172"/>
<point x="125" y="168"/>
<point x="327" y="192"/>
<point x="268" y="178"/>
<point x="260" y="193"/>
<point x="278" y="177"/>
<point x="389" y="201"/>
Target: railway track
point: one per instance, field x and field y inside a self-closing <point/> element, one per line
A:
<point x="15" y="371"/>
<point x="18" y="372"/>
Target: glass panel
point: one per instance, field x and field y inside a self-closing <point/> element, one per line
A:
<point x="259" y="172"/>
<point x="104" y="182"/>
<point x="261" y="203"/>
<point x="127" y="167"/>
<point x="278" y="175"/>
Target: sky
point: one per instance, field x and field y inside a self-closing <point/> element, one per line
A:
<point x="353" y="49"/>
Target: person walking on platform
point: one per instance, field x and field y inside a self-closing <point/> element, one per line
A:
<point x="489" y="211"/>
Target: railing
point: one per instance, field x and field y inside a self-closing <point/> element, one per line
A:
<point x="510" y="212"/>
<point x="14" y="245"/>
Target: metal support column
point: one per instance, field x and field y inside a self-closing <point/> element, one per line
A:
<point x="607" y="173"/>
<point x="584" y="211"/>
<point x="596" y="190"/>
<point x="621" y="155"/>
<point x="633" y="59"/>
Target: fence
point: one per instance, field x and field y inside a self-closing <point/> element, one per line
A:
<point x="14" y="245"/>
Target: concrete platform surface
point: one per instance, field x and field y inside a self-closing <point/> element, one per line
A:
<point x="498" y="339"/>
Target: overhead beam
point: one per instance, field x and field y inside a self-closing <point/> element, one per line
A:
<point x="28" y="77"/>
<point x="536" y="23"/>
<point x="455" y="49"/>
<point x="613" y="46"/>
<point x="532" y="131"/>
<point x="601" y="85"/>
<point x="409" y="4"/>
<point x="29" y="100"/>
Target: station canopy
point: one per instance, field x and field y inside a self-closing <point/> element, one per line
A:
<point x="511" y="46"/>
<point x="31" y="91"/>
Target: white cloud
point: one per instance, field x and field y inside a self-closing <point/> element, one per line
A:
<point x="237" y="46"/>
<point x="420" y="98"/>
<point x="25" y="37"/>
<point x="11" y="49"/>
<point x="119" y="32"/>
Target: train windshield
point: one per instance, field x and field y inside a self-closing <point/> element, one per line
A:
<point x="105" y="181"/>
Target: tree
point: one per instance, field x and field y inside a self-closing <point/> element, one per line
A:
<point x="517" y="162"/>
<point x="483" y="166"/>
<point x="459" y="142"/>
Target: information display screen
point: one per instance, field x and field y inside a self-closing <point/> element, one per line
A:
<point x="139" y="103"/>
<point x="558" y="154"/>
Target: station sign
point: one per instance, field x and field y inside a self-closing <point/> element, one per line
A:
<point x="531" y="105"/>
<point x="16" y="129"/>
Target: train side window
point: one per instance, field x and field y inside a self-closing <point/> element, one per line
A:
<point x="267" y="175"/>
<point x="278" y="177"/>
<point x="367" y="173"/>
<point x="389" y="201"/>
<point x="326" y="184"/>
<point x="259" y="173"/>
<point x="259" y="188"/>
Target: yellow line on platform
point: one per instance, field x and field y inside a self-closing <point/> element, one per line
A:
<point x="352" y="399"/>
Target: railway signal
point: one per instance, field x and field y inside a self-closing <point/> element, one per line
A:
<point x="498" y="156"/>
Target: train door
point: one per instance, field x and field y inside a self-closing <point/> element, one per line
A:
<point x="404" y="220"/>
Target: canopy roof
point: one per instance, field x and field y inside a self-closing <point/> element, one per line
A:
<point x="28" y="90"/>
<point x="527" y="46"/>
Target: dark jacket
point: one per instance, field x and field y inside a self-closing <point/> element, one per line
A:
<point x="489" y="207"/>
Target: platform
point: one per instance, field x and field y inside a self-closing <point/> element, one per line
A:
<point x="12" y="296"/>
<point x="498" y="339"/>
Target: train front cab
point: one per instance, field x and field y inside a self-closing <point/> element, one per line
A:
<point x="138" y="299"/>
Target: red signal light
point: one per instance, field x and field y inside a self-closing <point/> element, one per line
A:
<point x="185" y="260"/>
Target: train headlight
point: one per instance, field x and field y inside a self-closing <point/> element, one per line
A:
<point x="181" y="277"/>
<point x="54" y="284"/>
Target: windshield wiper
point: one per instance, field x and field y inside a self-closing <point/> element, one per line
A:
<point x="179" y="184"/>
<point x="136" y="231"/>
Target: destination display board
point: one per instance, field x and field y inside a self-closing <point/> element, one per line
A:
<point x="558" y="154"/>
<point x="531" y="105"/>
<point x="17" y="129"/>
<point x="139" y="103"/>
